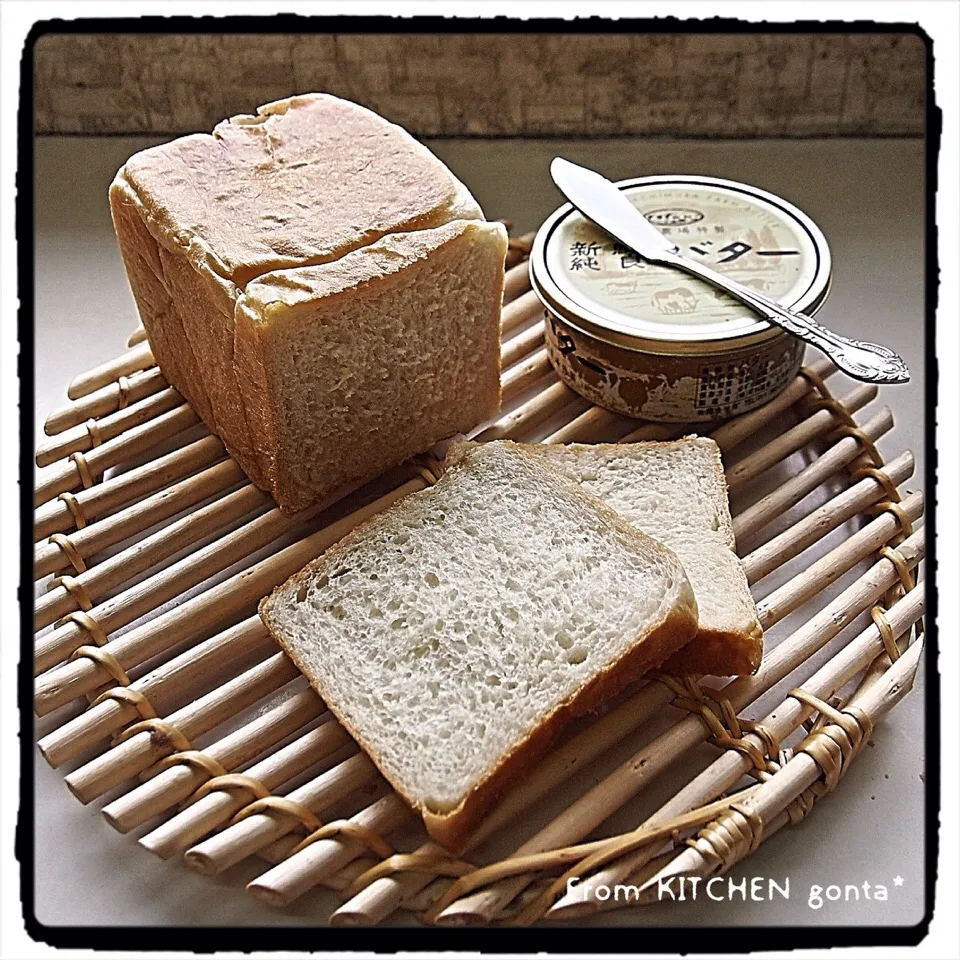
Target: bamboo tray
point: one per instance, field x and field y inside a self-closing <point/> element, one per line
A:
<point x="205" y="731"/>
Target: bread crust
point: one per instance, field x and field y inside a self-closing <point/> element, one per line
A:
<point x="140" y="253"/>
<point x="719" y="653"/>
<point x="647" y="651"/>
<point x="194" y="345"/>
<point x="202" y="188"/>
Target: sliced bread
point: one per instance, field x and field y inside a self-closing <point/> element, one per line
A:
<point x="454" y="634"/>
<point x="676" y="492"/>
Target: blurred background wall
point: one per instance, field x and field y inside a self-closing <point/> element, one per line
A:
<point x="702" y="85"/>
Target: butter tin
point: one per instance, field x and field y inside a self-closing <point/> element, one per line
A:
<point x="654" y="343"/>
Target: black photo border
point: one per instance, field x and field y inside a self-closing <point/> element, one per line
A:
<point x="557" y="939"/>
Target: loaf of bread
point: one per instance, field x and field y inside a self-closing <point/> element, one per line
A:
<point x="675" y="491"/>
<point x="319" y="286"/>
<point x="455" y="633"/>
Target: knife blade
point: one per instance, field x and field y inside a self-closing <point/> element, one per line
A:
<point x="600" y="201"/>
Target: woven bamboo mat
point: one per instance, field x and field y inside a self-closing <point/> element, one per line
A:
<point x="168" y="694"/>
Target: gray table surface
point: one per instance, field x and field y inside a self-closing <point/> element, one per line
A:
<point x="867" y="195"/>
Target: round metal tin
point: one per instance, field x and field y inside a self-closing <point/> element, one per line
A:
<point x="652" y="342"/>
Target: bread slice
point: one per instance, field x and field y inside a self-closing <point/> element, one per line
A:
<point x="676" y="492"/>
<point x="304" y="181"/>
<point x="454" y="634"/>
<point x="381" y="354"/>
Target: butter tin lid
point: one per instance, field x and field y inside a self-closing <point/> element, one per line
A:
<point x="599" y="285"/>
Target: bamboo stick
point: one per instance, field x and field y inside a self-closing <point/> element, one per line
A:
<point x="140" y="751"/>
<point x="523" y="375"/>
<point x="654" y="696"/>
<point x="591" y="809"/>
<point x="254" y="834"/>
<point x="205" y="665"/>
<point x="106" y="400"/>
<point x="841" y="508"/>
<point x="81" y="438"/>
<point x="790" y="493"/>
<point x="828" y="568"/>
<point x="520" y="344"/>
<point x="731" y="765"/>
<point x="342" y="879"/>
<point x="300" y="872"/>
<point x="139" y="335"/>
<point x="797" y="437"/>
<point x="204" y="816"/>
<point x="218" y="806"/>
<point x="137" y="358"/>
<point x="129" y="487"/>
<point x="525" y="309"/>
<point x="535" y="411"/>
<point x="656" y="431"/>
<point x="741" y="428"/>
<point x="516" y="281"/>
<point x="518" y="248"/>
<point x="164" y="585"/>
<point x="802" y="771"/>
<point x="140" y="516"/>
<point x="177" y="782"/>
<point x="123" y="566"/>
<point x="275" y="852"/>
<point x="210" y="610"/>
<point x="66" y="477"/>
<point x="593" y="425"/>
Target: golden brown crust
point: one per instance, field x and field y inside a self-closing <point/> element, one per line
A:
<point x="193" y="340"/>
<point x="376" y="179"/>
<point x="140" y="253"/>
<point x="719" y="653"/>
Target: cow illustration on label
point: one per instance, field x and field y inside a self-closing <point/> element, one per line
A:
<point x="676" y="300"/>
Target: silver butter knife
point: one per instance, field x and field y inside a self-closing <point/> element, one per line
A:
<point x="599" y="200"/>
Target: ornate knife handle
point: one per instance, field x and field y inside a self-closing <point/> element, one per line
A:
<point x="860" y="359"/>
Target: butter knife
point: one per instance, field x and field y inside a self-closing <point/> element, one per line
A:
<point x="599" y="200"/>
